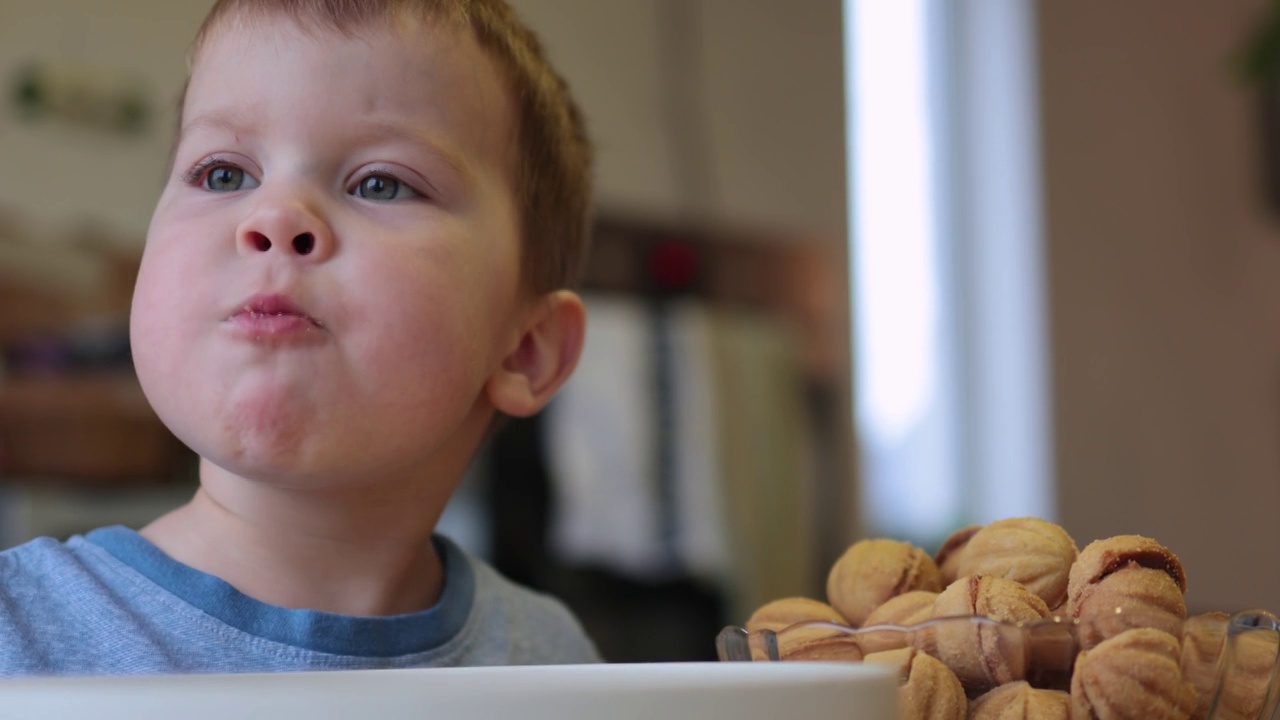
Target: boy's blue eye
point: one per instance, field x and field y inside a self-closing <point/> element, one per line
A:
<point x="224" y="179"/>
<point x="382" y="187"/>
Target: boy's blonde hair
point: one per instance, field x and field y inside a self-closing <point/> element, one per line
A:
<point x="552" y="183"/>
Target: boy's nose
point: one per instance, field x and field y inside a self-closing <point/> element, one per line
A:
<point x="287" y="228"/>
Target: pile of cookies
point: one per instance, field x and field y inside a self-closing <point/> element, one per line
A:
<point x="1100" y="633"/>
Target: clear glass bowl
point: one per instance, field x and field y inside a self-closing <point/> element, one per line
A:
<point x="1231" y="660"/>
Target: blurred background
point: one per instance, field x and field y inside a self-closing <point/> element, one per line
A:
<point x="871" y="267"/>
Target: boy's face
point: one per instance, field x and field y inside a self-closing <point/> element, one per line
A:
<point x="331" y="273"/>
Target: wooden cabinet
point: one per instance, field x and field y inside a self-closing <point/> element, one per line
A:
<point x="93" y="429"/>
<point x="67" y="418"/>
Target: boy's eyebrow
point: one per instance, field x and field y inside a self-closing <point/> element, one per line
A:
<point x="232" y="122"/>
<point x="378" y="129"/>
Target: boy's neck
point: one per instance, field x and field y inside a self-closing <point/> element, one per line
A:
<point x="297" y="548"/>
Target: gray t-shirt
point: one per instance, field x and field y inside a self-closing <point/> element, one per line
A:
<point x="111" y="603"/>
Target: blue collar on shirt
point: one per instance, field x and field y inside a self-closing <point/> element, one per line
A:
<point x="309" y="629"/>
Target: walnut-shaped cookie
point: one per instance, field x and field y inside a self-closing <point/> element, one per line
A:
<point x="1233" y="666"/>
<point x="779" y="614"/>
<point x="1203" y="641"/>
<point x="949" y="556"/>
<point x="904" y="611"/>
<point x="984" y="654"/>
<point x="1132" y="675"/>
<point x="1034" y="552"/>
<point x="1123" y="582"/>
<point x="1020" y="701"/>
<point x="871" y="572"/>
<point x="828" y="638"/>
<point x="927" y="690"/>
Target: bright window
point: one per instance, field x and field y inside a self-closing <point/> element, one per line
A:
<point x="951" y="403"/>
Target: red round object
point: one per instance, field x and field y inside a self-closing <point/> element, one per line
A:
<point x="673" y="264"/>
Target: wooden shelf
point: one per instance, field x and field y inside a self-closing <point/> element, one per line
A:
<point x="95" y="429"/>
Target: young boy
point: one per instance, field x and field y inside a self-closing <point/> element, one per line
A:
<point x="354" y="269"/>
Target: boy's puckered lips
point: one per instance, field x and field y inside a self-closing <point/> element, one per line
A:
<point x="272" y="315"/>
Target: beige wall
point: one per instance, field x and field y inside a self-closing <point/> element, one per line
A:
<point x="774" y="96"/>
<point x="739" y="122"/>
<point x="1164" y="273"/>
<point x="59" y="178"/>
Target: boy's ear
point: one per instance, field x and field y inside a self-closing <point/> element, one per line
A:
<point x="543" y="359"/>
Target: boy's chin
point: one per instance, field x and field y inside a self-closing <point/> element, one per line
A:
<point x="284" y="460"/>
<point x="277" y="472"/>
<point x="314" y="464"/>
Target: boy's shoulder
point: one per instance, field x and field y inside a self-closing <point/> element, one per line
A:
<point x="527" y="626"/>
<point x="36" y="565"/>
<point x="43" y="577"/>
<point x="44" y="585"/>
<point x="74" y="607"/>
